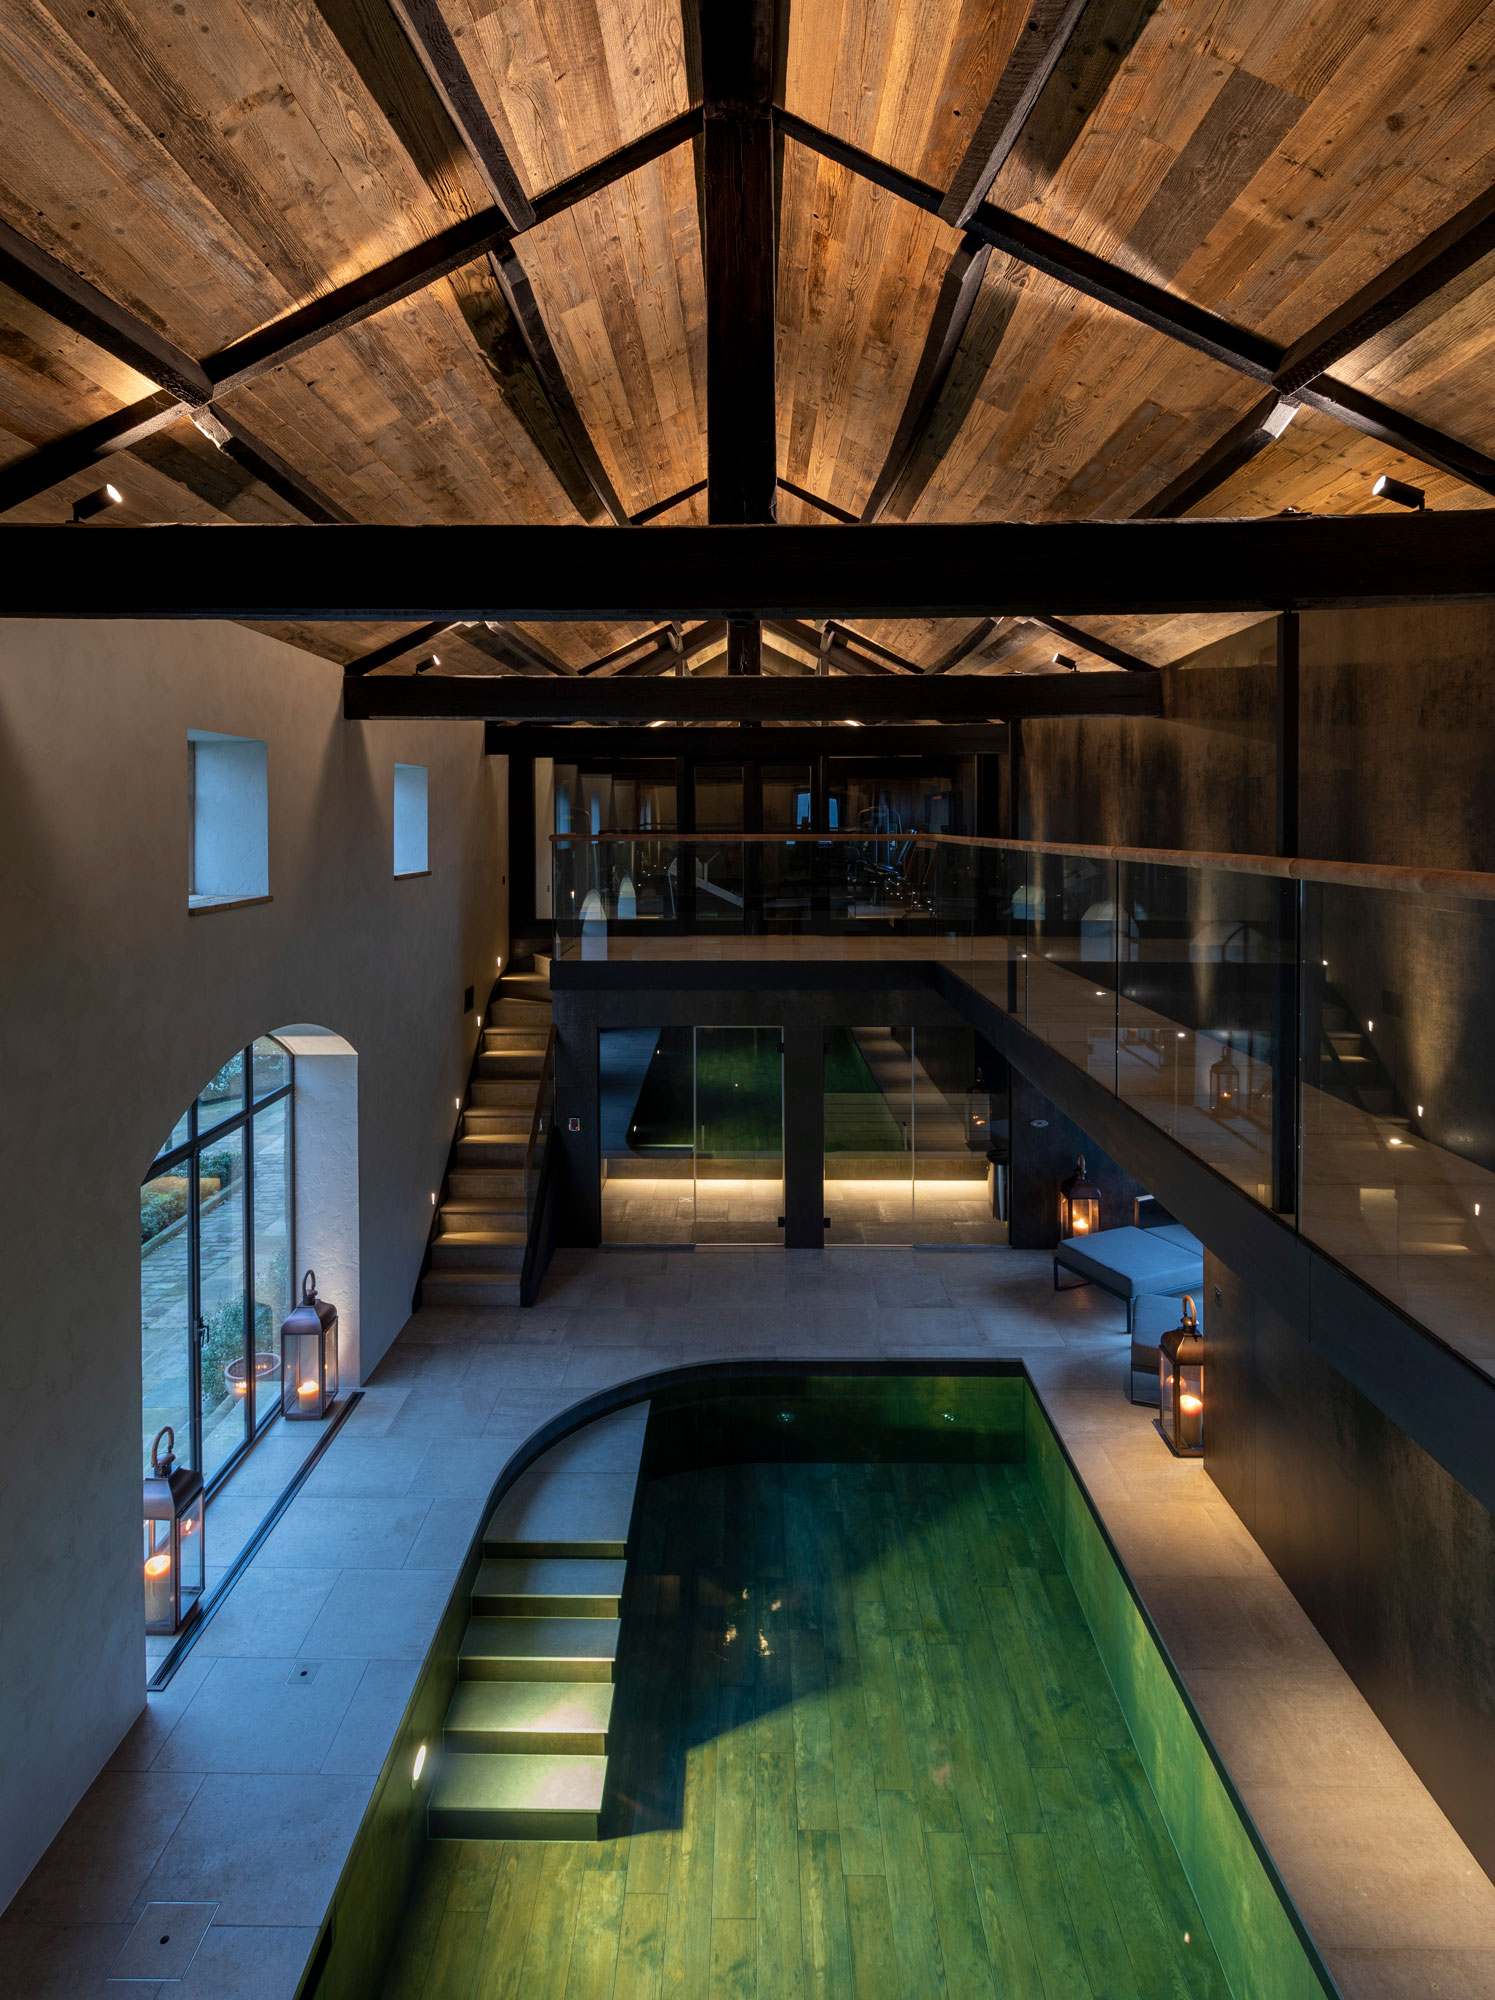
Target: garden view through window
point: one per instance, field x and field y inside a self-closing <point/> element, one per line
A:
<point x="216" y="1256"/>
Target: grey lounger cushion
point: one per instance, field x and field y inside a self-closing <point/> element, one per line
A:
<point x="1131" y="1262"/>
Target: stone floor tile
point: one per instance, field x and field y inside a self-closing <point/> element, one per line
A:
<point x="318" y="1532"/>
<point x="362" y="1467"/>
<point x="96" y="1868"/>
<point x="372" y="1717"/>
<point x="264" y="1715"/>
<point x="245" y="1962"/>
<point x="268" y="1850"/>
<point x="267" y="1611"/>
<point x="375" y="1614"/>
<point x="444" y="1536"/>
<point x="60" y="1961"/>
<point x="160" y="1715"/>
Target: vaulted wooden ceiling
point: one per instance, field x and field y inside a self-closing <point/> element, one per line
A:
<point x="438" y="261"/>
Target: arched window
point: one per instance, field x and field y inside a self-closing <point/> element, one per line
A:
<point x="217" y="1246"/>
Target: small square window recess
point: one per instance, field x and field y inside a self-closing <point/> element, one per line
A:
<point x="164" y="1942"/>
<point x="228" y="851"/>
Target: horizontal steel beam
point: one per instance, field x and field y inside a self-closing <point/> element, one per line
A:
<point x="573" y="745"/>
<point x="750" y="698"/>
<point x="559" y="574"/>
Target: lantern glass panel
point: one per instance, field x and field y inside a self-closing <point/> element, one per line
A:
<point x="1188" y="1434"/>
<point x="302" y="1386"/>
<point x="1224" y="1087"/>
<point x="1084" y="1214"/>
<point x="160" y="1577"/>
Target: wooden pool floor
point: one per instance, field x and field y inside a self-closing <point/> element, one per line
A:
<point x="865" y="1746"/>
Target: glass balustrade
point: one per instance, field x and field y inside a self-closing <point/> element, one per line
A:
<point x="1317" y="1041"/>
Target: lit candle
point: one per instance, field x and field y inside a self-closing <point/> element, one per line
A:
<point x="1191" y="1405"/>
<point x="158" y="1588"/>
<point x="306" y="1390"/>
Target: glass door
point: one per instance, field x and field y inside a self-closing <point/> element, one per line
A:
<point x="739" y="1135"/>
<point x="646" y="1125"/>
<point x="955" y="1135"/>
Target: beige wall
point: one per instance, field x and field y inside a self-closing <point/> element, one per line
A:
<point x="115" y="1007"/>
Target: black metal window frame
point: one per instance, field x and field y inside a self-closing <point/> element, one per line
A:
<point x="188" y="1153"/>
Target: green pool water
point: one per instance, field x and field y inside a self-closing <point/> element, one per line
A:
<point x="890" y="1722"/>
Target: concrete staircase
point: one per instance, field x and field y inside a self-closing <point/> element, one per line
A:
<point x="525" y="1745"/>
<point x="478" y="1250"/>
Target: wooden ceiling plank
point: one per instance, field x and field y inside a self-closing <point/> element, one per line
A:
<point x="433" y="41"/>
<point x="822" y="506"/>
<point x="740" y="255"/>
<point x="1415" y="277"/>
<point x="957" y="296"/>
<point x="1219" y="462"/>
<point x="979" y="633"/>
<point x="1151" y="305"/>
<point x="265" y="464"/>
<point x="38" y="276"/>
<point x="1044" y="38"/>
<point x="647" y="514"/>
<point x="646" y="642"/>
<point x="520" y="294"/>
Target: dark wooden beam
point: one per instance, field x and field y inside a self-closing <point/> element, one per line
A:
<point x="687" y="646"/>
<point x="1153" y="306"/>
<point x="979" y="633"/>
<point x="1426" y="268"/>
<point x="814" y="500"/>
<point x="434" y="43"/>
<point x="262" y="462"/>
<point x="1261" y="426"/>
<point x="957" y="296"/>
<point x="950" y="739"/>
<point x="645" y="643"/>
<point x="740" y="256"/>
<point x="812" y="699"/>
<point x="397" y="649"/>
<point x="525" y="574"/>
<point x="859" y="641"/>
<point x="829" y="649"/>
<point x="50" y="464"/>
<point x="1102" y="649"/>
<point x="1042" y="41"/>
<point x="513" y="650"/>
<point x="40" y="277"/>
<point x="646" y="514"/>
<point x="520" y="293"/>
<point x="745" y="646"/>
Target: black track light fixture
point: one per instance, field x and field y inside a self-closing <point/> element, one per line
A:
<point x="98" y="502"/>
<point x="431" y="660"/>
<point x="1063" y="660"/>
<point x="1399" y="493"/>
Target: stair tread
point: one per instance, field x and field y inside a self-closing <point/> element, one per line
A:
<point x="518" y="1781"/>
<point x="541" y="1639"/>
<point x="553" y="1709"/>
<point x="481" y="1236"/>
<point x="552" y="1576"/>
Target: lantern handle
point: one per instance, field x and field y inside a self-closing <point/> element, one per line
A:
<point x="1191" y="1318"/>
<point x="164" y="1471"/>
<point x="309" y="1288"/>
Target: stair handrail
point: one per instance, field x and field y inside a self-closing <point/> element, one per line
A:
<point x="540" y="1126"/>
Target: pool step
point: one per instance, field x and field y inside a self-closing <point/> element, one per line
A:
<point x="512" y="1797"/>
<point x="552" y="1718"/>
<point x="539" y="1649"/>
<point x="525" y="1742"/>
<point x="548" y="1587"/>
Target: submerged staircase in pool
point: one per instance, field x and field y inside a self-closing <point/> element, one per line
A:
<point x="477" y="1252"/>
<point x="526" y="1738"/>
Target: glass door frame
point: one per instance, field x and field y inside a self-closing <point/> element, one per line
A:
<point x="187" y="1154"/>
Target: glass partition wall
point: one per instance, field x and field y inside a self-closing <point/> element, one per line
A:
<point x="216" y="1263"/>
<point x="692" y="1135"/>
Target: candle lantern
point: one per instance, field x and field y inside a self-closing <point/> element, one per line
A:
<point x="1224" y="1086"/>
<point x="1079" y="1203"/>
<point x="308" y="1355"/>
<point x="172" y="1506"/>
<point x="1181" y="1386"/>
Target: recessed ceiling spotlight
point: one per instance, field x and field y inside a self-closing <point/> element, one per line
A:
<point x="1399" y="493"/>
<point x="431" y="660"/>
<point x="97" y="502"/>
<point x="1063" y="660"/>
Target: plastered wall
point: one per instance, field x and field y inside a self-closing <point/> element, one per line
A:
<point x="116" y="1005"/>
